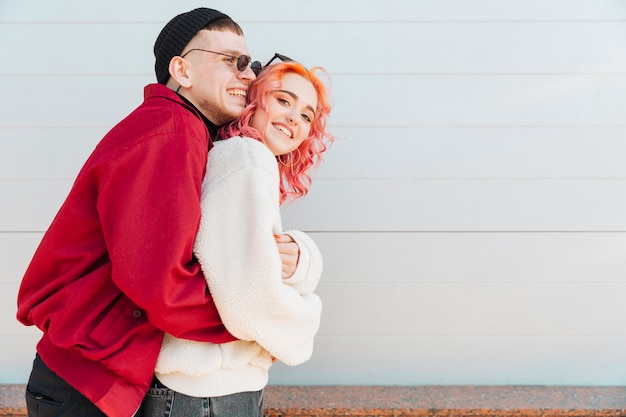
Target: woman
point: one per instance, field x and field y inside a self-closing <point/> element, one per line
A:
<point x="278" y="139"/>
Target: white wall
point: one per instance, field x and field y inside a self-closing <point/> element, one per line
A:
<point x="472" y="214"/>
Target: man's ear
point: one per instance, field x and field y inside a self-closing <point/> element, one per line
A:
<point x="179" y="72"/>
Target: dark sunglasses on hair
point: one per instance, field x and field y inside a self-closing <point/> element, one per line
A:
<point x="257" y="67"/>
<point x="242" y="60"/>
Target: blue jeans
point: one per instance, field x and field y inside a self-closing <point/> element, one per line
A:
<point x="161" y="401"/>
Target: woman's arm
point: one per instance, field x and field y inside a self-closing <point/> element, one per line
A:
<point x="237" y="250"/>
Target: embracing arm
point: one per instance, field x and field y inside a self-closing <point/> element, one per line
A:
<point x="150" y="210"/>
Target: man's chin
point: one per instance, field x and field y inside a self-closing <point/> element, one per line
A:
<point x="234" y="113"/>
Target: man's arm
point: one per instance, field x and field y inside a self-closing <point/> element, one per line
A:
<point x="150" y="210"/>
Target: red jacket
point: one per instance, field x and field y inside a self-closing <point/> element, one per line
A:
<point x="115" y="270"/>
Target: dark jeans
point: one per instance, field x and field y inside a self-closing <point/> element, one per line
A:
<point x="48" y="395"/>
<point x="164" y="402"/>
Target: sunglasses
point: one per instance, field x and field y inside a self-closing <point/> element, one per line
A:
<point x="257" y="67"/>
<point x="242" y="60"/>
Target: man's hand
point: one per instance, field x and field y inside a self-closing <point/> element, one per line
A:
<point x="289" y="254"/>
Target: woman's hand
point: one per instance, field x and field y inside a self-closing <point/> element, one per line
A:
<point x="289" y="254"/>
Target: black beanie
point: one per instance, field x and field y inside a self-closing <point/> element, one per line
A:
<point x="177" y="34"/>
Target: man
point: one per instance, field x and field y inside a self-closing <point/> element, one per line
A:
<point x="115" y="269"/>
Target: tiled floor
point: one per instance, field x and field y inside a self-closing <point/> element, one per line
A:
<point x="417" y="401"/>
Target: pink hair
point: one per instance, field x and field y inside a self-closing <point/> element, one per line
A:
<point x="295" y="180"/>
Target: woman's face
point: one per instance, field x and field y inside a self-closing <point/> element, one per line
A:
<point x="290" y="112"/>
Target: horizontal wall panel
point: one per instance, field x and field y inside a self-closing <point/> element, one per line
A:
<point x="475" y="152"/>
<point x="16" y="251"/>
<point x="506" y="258"/>
<point x="469" y="100"/>
<point x="407" y="205"/>
<point x="8" y="311"/>
<point x="367" y="360"/>
<point x="18" y="353"/>
<point x="111" y="48"/>
<point x="397" y="309"/>
<point x="550" y="360"/>
<point x="358" y="360"/>
<point x="506" y="47"/>
<point x="440" y="100"/>
<point x="52" y="153"/>
<point x="99" y="101"/>
<point x="360" y="258"/>
<point x="396" y="205"/>
<point x="468" y="273"/>
<point x="416" y="152"/>
<point x="446" y="47"/>
<point x="346" y="10"/>
<point x="31" y="205"/>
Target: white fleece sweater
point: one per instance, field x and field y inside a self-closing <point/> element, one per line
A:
<point x="235" y="246"/>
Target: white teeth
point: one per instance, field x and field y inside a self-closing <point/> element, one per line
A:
<point x="283" y="129"/>
<point x="239" y="93"/>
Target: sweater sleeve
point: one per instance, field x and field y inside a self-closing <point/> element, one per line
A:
<point x="150" y="210"/>
<point x="237" y="251"/>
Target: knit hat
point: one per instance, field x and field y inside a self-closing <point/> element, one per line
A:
<point x="177" y="34"/>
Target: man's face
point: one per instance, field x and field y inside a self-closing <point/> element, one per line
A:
<point x="218" y="88"/>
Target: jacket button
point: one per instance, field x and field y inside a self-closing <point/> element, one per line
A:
<point x="137" y="314"/>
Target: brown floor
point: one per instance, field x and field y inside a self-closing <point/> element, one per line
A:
<point x="449" y="400"/>
<point x="417" y="401"/>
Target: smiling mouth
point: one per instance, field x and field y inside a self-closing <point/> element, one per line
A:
<point x="283" y="129"/>
<point x="235" y="92"/>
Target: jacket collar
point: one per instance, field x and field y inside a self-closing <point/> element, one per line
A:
<point x="152" y="90"/>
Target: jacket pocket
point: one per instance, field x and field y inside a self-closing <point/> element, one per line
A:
<point x="115" y="326"/>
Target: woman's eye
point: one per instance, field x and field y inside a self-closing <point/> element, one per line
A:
<point x="306" y="118"/>
<point x="283" y="101"/>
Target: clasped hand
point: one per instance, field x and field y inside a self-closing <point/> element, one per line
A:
<point x="289" y="254"/>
